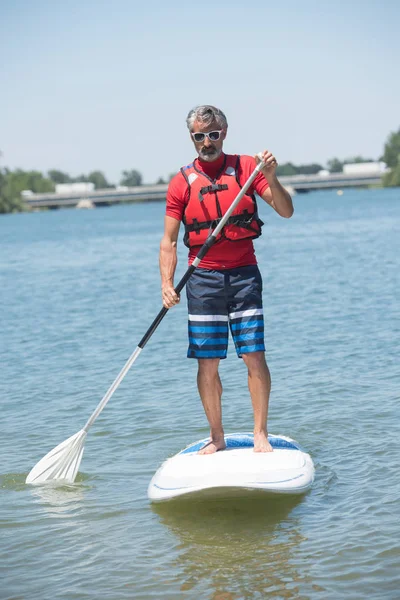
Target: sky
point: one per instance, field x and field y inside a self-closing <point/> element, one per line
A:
<point x="107" y="85"/>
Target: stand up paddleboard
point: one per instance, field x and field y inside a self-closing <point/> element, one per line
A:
<point x="286" y="470"/>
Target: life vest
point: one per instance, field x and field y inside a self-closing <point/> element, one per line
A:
<point x="209" y="199"/>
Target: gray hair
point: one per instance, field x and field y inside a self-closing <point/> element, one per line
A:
<point x="206" y="114"/>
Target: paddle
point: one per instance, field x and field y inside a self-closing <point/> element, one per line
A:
<point x="62" y="463"/>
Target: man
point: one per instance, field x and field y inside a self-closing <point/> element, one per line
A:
<point x="226" y="289"/>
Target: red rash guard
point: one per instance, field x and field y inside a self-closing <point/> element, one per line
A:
<point x="225" y="254"/>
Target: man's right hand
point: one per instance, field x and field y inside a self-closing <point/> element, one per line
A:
<point x="169" y="296"/>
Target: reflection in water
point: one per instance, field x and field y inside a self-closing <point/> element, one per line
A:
<point x="244" y="545"/>
<point x="62" y="500"/>
<point x="57" y="499"/>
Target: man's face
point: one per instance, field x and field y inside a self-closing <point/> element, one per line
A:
<point x="208" y="149"/>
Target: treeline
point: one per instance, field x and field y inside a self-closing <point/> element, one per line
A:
<point x="334" y="165"/>
<point x="129" y="178"/>
<point x="391" y="157"/>
<point x="12" y="183"/>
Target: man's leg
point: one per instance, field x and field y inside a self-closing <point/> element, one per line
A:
<point x="208" y="342"/>
<point x="210" y="390"/>
<point x="246" y="320"/>
<point x="259" y="380"/>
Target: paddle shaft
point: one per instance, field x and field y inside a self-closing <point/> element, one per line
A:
<point x="201" y="254"/>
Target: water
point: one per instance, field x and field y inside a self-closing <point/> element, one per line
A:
<point x="78" y="291"/>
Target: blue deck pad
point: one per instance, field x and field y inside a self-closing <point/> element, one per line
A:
<point x="244" y="440"/>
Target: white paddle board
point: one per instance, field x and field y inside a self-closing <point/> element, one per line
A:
<point x="286" y="470"/>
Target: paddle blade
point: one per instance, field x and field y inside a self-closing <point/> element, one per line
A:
<point x="61" y="463"/>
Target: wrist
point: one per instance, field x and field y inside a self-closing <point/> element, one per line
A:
<point x="272" y="180"/>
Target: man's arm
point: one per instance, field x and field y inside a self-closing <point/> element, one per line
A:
<point x="168" y="261"/>
<point x="275" y="194"/>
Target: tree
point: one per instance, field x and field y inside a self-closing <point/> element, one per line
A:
<point x="58" y="176"/>
<point x="391" y="153"/>
<point x="392" y="178"/>
<point x="7" y="204"/>
<point x="309" y="169"/>
<point x="334" y="165"/>
<point x="391" y="156"/>
<point x="286" y="169"/>
<point x="12" y="183"/>
<point x="99" y="180"/>
<point x="80" y="179"/>
<point x="357" y="159"/>
<point x="131" y="178"/>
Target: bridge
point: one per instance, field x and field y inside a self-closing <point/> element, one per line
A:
<point x="154" y="193"/>
<point x="332" y="181"/>
<point x="142" y="193"/>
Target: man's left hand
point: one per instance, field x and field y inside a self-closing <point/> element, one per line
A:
<point x="269" y="170"/>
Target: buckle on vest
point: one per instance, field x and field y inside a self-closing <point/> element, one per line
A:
<point x="209" y="189"/>
<point x="196" y="226"/>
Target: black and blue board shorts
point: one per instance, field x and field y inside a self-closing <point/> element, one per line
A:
<point x="223" y="300"/>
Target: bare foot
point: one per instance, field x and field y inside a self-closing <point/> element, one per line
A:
<point x="213" y="447"/>
<point x="261" y="443"/>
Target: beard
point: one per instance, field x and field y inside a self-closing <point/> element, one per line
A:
<point x="209" y="154"/>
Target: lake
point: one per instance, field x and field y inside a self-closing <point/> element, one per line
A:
<point x="79" y="289"/>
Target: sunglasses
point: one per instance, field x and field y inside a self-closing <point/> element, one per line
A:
<point x="213" y="136"/>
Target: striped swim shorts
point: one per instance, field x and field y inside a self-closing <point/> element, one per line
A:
<point x="219" y="300"/>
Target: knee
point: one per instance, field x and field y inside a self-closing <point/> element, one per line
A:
<point x="208" y="367"/>
<point x="255" y="361"/>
